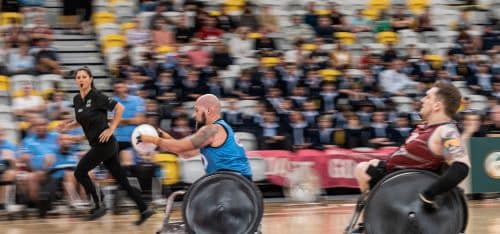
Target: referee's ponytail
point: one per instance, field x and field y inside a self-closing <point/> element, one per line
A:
<point x="89" y="73"/>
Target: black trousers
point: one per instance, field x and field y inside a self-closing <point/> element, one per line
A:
<point x="107" y="153"/>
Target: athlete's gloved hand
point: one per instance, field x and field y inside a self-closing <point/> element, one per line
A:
<point x="138" y="138"/>
<point x="428" y="203"/>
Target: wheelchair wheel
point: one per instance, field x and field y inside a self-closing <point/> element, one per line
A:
<point x="222" y="202"/>
<point x="393" y="206"/>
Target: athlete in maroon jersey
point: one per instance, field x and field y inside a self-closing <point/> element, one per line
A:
<point x="429" y="147"/>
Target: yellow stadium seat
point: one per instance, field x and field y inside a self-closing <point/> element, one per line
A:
<point x="435" y="59"/>
<point x="214" y="13"/>
<point x="309" y="47"/>
<point x="113" y="40"/>
<point x="23" y="125"/>
<point x="164" y="49"/>
<point x="254" y="35"/>
<point x="329" y="74"/>
<point x="53" y="125"/>
<point x="127" y="25"/>
<point x="233" y="6"/>
<point x="270" y="61"/>
<point x="4" y="83"/>
<point x="11" y="18"/>
<point x="417" y="6"/>
<point x="346" y="38"/>
<point x="371" y="13"/>
<point x="103" y="17"/>
<point x="170" y="167"/>
<point x="322" y="12"/>
<point x="387" y="37"/>
<point x="379" y="4"/>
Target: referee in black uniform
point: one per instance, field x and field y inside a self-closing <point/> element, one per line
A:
<point x="91" y="110"/>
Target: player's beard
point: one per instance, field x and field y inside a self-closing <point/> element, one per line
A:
<point x="201" y="123"/>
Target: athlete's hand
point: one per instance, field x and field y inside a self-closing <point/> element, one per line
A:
<point x="164" y="134"/>
<point x="105" y="135"/>
<point x="148" y="139"/>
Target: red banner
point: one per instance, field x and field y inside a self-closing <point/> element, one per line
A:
<point x="335" y="167"/>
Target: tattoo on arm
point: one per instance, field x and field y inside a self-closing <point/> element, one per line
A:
<point x="452" y="146"/>
<point x="203" y="135"/>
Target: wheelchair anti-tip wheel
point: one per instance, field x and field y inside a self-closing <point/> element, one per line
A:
<point x="223" y="203"/>
<point x="393" y="206"/>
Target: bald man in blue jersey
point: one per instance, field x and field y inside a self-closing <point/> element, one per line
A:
<point x="215" y="140"/>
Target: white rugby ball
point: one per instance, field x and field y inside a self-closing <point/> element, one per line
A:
<point x="143" y="129"/>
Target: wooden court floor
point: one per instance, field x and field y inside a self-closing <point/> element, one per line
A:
<point x="279" y="218"/>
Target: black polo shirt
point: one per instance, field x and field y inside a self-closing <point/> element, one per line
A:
<point x="92" y="114"/>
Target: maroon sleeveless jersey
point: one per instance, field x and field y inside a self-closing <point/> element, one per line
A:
<point x="415" y="153"/>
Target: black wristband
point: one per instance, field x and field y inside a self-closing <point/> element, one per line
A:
<point x="451" y="178"/>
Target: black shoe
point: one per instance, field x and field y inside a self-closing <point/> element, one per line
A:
<point x="144" y="216"/>
<point x="97" y="213"/>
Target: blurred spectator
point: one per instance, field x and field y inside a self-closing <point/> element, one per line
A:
<point x="15" y="35"/>
<point x="272" y="135"/>
<point x="483" y="79"/>
<point x="7" y="166"/>
<point x="39" y="29"/>
<point x="323" y="135"/>
<point x="290" y="77"/>
<point x="325" y="30"/>
<point x="138" y="35"/>
<point x="401" y="20"/>
<point x="359" y="23"/>
<point x="215" y="86"/>
<point x="66" y="157"/>
<point x="184" y="32"/>
<point x="161" y="34"/>
<point x="46" y="59"/>
<point x="248" y="19"/>
<point x="221" y="58"/>
<point x="424" y="21"/>
<point x="159" y="8"/>
<point x="28" y="103"/>
<point x="245" y="87"/>
<point x="328" y="97"/>
<point x="133" y="116"/>
<point x="401" y="130"/>
<point x="393" y="81"/>
<point x="192" y="88"/>
<point x="310" y="113"/>
<point x="180" y="127"/>
<point x="225" y="22"/>
<point x="471" y="125"/>
<point x="341" y="57"/>
<point x="20" y="61"/>
<point x="490" y="38"/>
<point x="335" y="15"/>
<point x="496" y="89"/>
<point x="240" y="45"/>
<point x="298" y="130"/>
<point x="198" y="56"/>
<point x="311" y="18"/>
<point x="267" y="20"/>
<point x="356" y="135"/>
<point x="299" y="96"/>
<point x="298" y="29"/>
<point x="265" y="43"/>
<point x="209" y="29"/>
<point x="233" y="115"/>
<point x="58" y="105"/>
<point x="380" y="131"/>
<point x="38" y="151"/>
<point x="383" y="23"/>
<point x="494" y="126"/>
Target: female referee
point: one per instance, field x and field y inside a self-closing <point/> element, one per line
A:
<point x="91" y="111"/>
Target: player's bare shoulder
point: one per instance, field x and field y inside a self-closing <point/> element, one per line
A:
<point x="205" y="135"/>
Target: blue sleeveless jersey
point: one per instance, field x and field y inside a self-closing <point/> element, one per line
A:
<point x="229" y="156"/>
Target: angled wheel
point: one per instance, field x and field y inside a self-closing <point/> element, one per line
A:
<point x="394" y="206"/>
<point x="222" y="203"/>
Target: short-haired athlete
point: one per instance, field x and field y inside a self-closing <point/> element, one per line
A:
<point x="430" y="146"/>
<point x="214" y="139"/>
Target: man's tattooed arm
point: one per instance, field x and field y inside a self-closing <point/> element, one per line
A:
<point x="204" y="136"/>
<point x="452" y="147"/>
